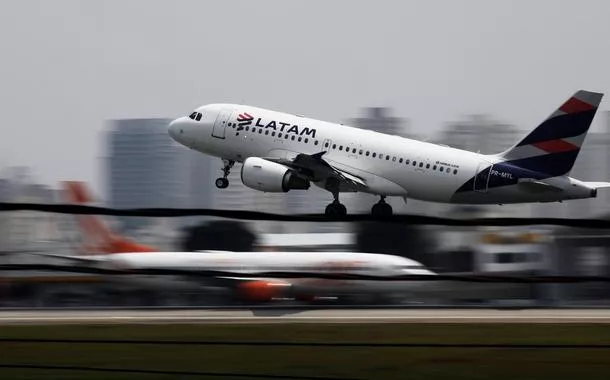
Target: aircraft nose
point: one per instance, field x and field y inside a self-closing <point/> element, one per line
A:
<point x="173" y="128"/>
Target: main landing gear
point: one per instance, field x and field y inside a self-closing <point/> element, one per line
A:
<point x="336" y="208"/>
<point x="381" y="208"/>
<point x="223" y="182"/>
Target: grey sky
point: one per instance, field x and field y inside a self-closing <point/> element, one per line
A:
<point x="67" y="66"/>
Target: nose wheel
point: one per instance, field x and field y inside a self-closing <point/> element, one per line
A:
<point x="223" y="182"/>
<point x="381" y="208"/>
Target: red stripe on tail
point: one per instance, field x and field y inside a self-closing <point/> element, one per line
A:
<point x="555" y="146"/>
<point x="575" y="105"/>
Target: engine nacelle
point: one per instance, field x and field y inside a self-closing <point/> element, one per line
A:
<point x="263" y="175"/>
<point x="263" y="291"/>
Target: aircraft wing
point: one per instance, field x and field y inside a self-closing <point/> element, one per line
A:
<point x="76" y="259"/>
<point x="315" y="168"/>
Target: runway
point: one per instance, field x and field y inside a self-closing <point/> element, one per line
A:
<point x="267" y="316"/>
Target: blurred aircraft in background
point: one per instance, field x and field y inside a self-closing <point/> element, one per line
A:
<point x="107" y="249"/>
<point x="282" y="152"/>
<point x="98" y="238"/>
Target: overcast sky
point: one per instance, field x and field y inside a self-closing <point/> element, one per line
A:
<point x="68" y="66"/>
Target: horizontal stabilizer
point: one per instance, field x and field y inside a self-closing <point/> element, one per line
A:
<point x="537" y="186"/>
<point x="598" y="185"/>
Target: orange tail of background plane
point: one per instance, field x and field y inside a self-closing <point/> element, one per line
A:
<point x="98" y="238"/>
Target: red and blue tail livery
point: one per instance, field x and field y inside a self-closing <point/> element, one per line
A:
<point x="554" y="145"/>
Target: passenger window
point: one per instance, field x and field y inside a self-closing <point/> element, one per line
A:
<point x="326" y="145"/>
<point x="454" y="171"/>
<point x="414" y="163"/>
<point x="354" y="150"/>
<point x="266" y="132"/>
<point x="367" y="153"/>
<point x="407" y="161"/>
<point x="421" y="164"/>
<point x="394" y="159"/>
<point x="247" y="128"/>
<point x="427" y="166"/>
<point x="440" y="169"/>
<point x="387" y="157"/>
<point x="279" y="134"/>
<point x="300" y="138"/>
<point x="260" y="131"/>
<point x="292" y="138"/>
<point x="374" y="154"/>
<point x="434" y="167"/>
<point x="361" y="151"/>
<point x="315" y="142"/>
<point x="334" y="146"/>
<point x="340" y="147"/>
<point x="400" y="161"/>
<point x="287" y="137"/>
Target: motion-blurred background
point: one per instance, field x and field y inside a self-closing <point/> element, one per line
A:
<point x="89" y="88"/>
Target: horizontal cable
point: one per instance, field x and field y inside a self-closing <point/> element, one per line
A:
<point x="330" y="275"/>
<point x="255" y="215"/>
<point x="162" y="372"/>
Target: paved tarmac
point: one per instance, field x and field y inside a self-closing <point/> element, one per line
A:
<point x="305" y="316"/>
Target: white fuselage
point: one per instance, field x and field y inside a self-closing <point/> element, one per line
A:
<point x="390" y="165"/>
<point x="243" y="265"/>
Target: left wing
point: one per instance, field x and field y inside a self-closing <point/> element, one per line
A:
<point x="316" y="169"/>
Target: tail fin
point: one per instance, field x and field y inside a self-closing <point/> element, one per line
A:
<point x="98" y="238"/>
<point x="553" y="146"/>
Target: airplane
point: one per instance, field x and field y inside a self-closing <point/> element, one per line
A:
<point x="107" y="249"/>
<point x="280" y="152"/>
<point x="97" y="236"/>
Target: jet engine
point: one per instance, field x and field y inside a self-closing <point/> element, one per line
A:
<point x="263" y="291"/>
<point x="267" y="176"/>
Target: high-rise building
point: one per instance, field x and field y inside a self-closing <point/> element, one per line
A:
<point x="479" y="133"/>
<point x="146" y="168"/>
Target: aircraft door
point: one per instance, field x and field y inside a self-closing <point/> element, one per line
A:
<point x="481" y="179"/>
<point x="220" y="126"/>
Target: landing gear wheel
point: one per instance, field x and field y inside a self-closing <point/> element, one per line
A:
<point x="381" y="208"/>
<point x="222" y="183"/>
<point x="335" y="209"/>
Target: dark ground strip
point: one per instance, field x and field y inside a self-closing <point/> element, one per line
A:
<point x="312" y="344"/>
<point x="159" y="372"/>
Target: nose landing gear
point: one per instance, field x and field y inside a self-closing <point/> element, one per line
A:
<point x="381" y="208"/>
<point x="223" y="182"/>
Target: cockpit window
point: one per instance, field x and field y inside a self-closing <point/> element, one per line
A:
<point x="192" y="116"/>
<point x="198" y="116"/>
<point x="195" y="116"/>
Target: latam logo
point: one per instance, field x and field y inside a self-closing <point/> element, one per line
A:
<point x="245" y="119"/>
